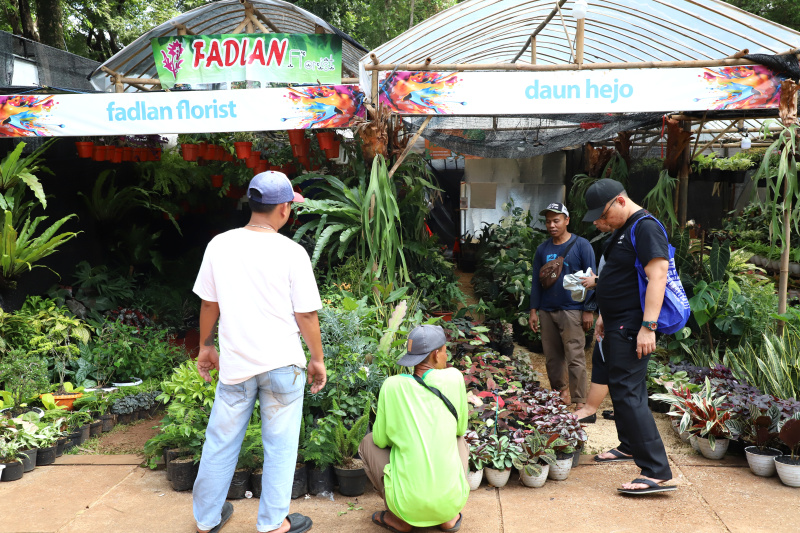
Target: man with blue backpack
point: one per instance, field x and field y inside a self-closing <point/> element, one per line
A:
<point x="638" y="293"/>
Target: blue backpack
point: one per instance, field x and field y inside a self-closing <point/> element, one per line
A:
<point x="675" y="310"/>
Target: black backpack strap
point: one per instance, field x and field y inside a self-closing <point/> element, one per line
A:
<point x="566" y="252"/>
<point x="438" y="393"/>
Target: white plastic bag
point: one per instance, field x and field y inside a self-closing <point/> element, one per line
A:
<point x="572" y="283"/>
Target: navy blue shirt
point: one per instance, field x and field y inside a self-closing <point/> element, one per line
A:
<point x="580" y="257"/>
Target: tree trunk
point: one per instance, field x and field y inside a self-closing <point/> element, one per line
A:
<point x="11" y="11"/>
<point x="411" y="17"/>
<point x="26" y="19"/>
<point x="50" y="16"/>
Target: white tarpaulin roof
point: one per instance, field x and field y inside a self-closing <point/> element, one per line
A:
<point x="136" y="59"/>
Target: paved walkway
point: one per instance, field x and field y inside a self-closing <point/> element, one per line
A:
<point x="113" y="493"/>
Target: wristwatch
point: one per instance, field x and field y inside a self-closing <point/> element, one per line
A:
<point x="652" y="326"/>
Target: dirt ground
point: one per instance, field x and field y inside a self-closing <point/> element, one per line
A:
<point x="127" y="439"/>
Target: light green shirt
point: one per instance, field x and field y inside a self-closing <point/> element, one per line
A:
<point x="424" y="480"/>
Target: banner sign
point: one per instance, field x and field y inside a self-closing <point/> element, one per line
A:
<point x="74" y="115"/>
<point x="268" y="58"/>
<point x="587" y="91"/>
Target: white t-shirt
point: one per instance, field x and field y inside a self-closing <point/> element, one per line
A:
<point x="260" y="280"/>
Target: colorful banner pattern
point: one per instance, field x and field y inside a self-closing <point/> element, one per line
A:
<point x="74" y="115"/>
<point x="187" y="60"/>
<point x="606" y="91"/>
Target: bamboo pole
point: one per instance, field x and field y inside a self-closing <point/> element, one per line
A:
<point x="533" y="50"/>
<point x="697" y="137"/>
<point x="376" y="61"/>
<point x="258" y="24"/>
<point x="537" y="30"/>
<point x="561" y="67"/>
<point x="579" y="34"/>
<point x="683" y="181"/>
<point x="263" y="18"/>
<point x="409" y="146"/>
<point x="713" y="140"/>
<point x="783" y="277"/>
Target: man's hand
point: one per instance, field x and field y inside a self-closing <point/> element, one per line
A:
<point x="599" y="329"/>
<point x="317" y="375"/>
<point x="533" y="321"/>
<point x="590" y="281"/>
<point x="645" y="342"/>
<point x="207" y="360"/>
<point x="587" y="319"/>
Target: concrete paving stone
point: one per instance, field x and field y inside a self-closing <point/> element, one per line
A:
<point x="588" y="501"/>
<point x="745" y="502"/>
<point x="131" y="459"/>
<point x="48" y="497"/>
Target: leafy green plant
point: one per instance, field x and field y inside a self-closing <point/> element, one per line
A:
<point x="348" y="440"/>
<point x="703" y="162"/>
<point x="760" y="427"/>
<point x="771" y="365"/>
<point x="320" y="446"/>
<point x="15" y="169"/>
<point x="479" y="456"/>
<point x="20" y="251"/>
<point x="659" y="201"/>
<point x="536" y="450"/>
<point x="23" y="375"/>
<point x="502" y="452"/>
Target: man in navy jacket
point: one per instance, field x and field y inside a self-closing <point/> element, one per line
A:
<point x="562" y="320"/>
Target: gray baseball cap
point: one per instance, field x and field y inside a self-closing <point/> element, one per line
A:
<point x="422" y="341"/>
<point x="272" y="187"/>
<point x="555" y="207"/>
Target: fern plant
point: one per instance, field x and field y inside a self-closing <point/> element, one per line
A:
<point x="320" y="448"/>
<point x="15" y="170"/>
<point x="348" y="440"/>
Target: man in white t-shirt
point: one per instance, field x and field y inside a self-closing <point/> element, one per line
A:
<point x="258" y="288"/>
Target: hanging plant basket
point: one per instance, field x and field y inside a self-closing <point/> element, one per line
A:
<point x="243" y="149"/>
<point x="99" y="153"/>
<point x="216" y="180"/>
<point x="326" y="139"/>
<point x="127" y="153"/>
<point x="288" y="169"/>
<point x="300" y="150"/>
<point x="332" y="153"/>
<point x="190" y="152"/>
<point x="261" y="166"/>
<point x="116" y="155"/>
<point x="85" y="148"/>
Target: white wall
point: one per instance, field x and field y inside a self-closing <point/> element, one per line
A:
<point x="532" y="183"/>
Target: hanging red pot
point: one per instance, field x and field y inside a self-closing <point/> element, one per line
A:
<point x="110" y="152"/>
<point x="275" y="168"/>
<point x="288" y="169"/>
<point x="261" y="166"/>
<point x="201" y="150"/>
<point x="85" y="148"/>
<point x="296" y="136"/>
<point x="326" y="139"/>
<point x="235" y="192"/>
<point x="305" y="161"/>
<point x="228" y="157"/>
<point x="127" y="153"/>
<point x="116" y="156"/>
<point x="333" y="151"/>
<point x="300" y="150"/>
<point x="243" y="149"/>
<point x="99" y="153"/>
<point x="252" y="160"/>
<point x="190" y="151"/>
<point x="155" y="154"/>
<point x="216" y="180"/>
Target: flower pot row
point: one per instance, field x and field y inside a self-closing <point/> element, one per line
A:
<point x="208" y="152"/>
<point x="499" y="478"/>
<point x="117" y="154"/>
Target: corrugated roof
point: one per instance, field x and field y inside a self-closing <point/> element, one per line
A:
<point x="494" y="31"/>
<point x="136" y="59"/>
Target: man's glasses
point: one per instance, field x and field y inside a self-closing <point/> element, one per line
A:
<point x="605" y="213"/>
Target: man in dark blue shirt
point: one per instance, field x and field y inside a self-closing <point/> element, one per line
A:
<point x="562" y="320"/>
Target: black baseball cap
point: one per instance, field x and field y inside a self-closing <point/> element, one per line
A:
<point x="598" y="195"/>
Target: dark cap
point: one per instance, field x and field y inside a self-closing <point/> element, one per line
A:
<point x="598" y="195"/>
<point x="272" y="187"/>
<point x="555" y="207"/>
<point x="422" y="341"/>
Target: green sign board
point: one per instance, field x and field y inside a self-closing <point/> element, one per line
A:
<point x="270" y="57"/>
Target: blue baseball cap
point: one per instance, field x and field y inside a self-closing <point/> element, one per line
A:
<point x="272" y="187"/>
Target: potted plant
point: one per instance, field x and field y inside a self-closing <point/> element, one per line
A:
<point x="479" y="457"/>
<point x="536" y="459"/>
<point x="24" y="375"/>
<point x="702" y="416"/>
<point x="502" y="453"/>
<point x="85" y="147"/>
<point x="321" y="451"/>
<point x="10" y="460"/>
<point x="759" y="429"/>
<point x="788" y="466"/>
<point x="243" y="143"/>
<point x="47" y="436"/>
<point x="251" y="456"/>
<point x="565" y="453"/>
<point x="703" y="167"/>
<point x="350" y="471"/>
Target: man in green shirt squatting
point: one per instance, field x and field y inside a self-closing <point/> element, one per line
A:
<point x="416" y="456"/>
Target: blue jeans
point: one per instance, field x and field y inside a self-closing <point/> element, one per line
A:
<point x="280" y="395"/>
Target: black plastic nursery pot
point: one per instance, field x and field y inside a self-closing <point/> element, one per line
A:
<point x="85" y="431"/>
<point x="28" y="459"/>
<point x="182" y="472"/>
<point x="239" y="484"/>
<point x="124" y="418"/>
<point x="320" y="480"/>
<point x="46" y="456"/>
<point x="300" y="484"/>
<point x="95" y="428"/>
<point x="60" y="445"/>
<point x="171" y="454"/>
<point x="12" y="472"/>
<point x="351" y="482"/>
<point x="108" y="421"/>
<point x="74" y="440"/>
<point x="255" y="483"/>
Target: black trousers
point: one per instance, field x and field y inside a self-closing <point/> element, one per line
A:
<point x="627" y="383"/>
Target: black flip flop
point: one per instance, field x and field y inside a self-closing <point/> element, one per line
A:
<point x="299" y="523"/>
<point x="227" y="511"/>
<point x="591" y="419"/>
<point x="457" y="525"/>
<point x="618" y="457"/>
<point x="652" y="487"/>
<point x="608" y="414"/>
<point x="379" y="521"/>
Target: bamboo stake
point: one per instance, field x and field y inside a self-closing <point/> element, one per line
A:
<point x="263" y="18"/>
<point x="714" y="139"/>
<point x="409" y="146"/>
<point x="579" y="34"/>
<point x="258" y="24"/>
<point x="533" y="50"/>
<point x="537" y="30"/>
<point x="697" y="137"/>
